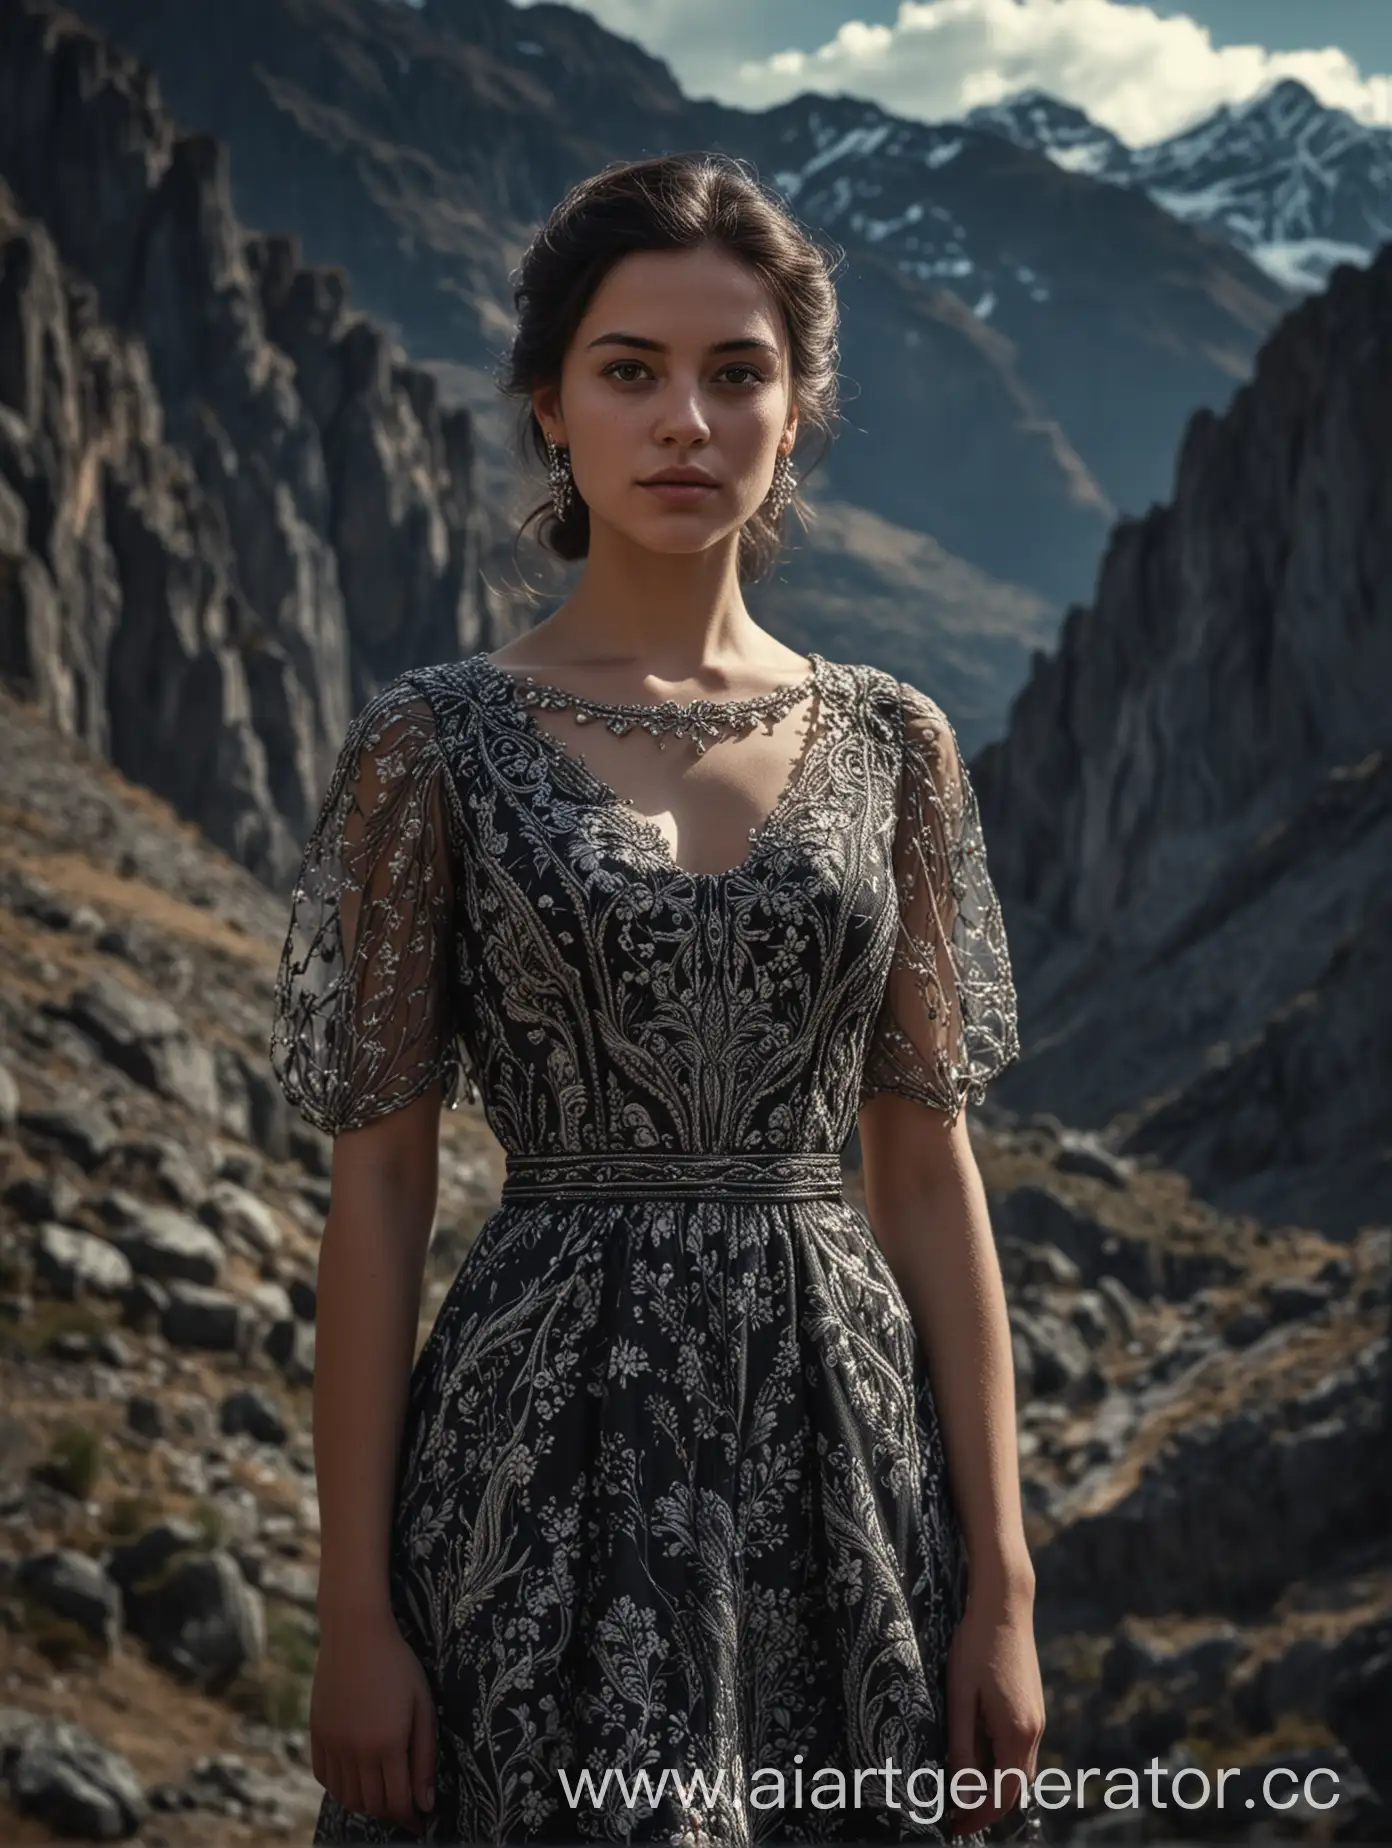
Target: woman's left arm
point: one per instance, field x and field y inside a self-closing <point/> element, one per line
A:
<point x="927" y="1207"/>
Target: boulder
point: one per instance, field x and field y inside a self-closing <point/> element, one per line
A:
<point x="251" y="1411"/>
<point x="168" y="1245"/>
<point x="64" y="1778"/>
<point x="74" y="1263"/>
<point x="72" y="1585"/>
<point x="200" y="1618"/>
<point x="83" y="1132"/>
<point x="144" y="1037"/>
<point x="234" y="1213"/>
<point x="290" y="1345"/>
<point x="199" y="1317"/>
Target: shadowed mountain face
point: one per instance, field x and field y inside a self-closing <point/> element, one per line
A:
<point x="1191" y="813"/>
<point x="1021" y="345"/>
<point x="230" y="509"/>
<point x="1108" y="313"/>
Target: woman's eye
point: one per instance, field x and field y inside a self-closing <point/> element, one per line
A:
<point x="613" y="370"/>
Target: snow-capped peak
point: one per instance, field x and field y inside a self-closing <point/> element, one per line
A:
<point x="1034" y="119"/>
<point x="1296" y="184"/>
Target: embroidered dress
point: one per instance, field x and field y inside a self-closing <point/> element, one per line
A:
<point x="672" y="1495"/>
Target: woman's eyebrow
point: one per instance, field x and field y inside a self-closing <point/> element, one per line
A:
<point x="741" y="344"/>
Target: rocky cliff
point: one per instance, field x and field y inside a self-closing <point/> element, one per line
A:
<point x="229" y="508"/>
<point x="1191" y="812"/>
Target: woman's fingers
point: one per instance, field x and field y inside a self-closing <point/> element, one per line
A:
<point x="423" y="1753"/>
<point x="346" y="1786"/>
<point x="394" y="1772"/>
<point x="370" y="1784"/>
<point x="1011" y="1755"/>
<point x="961" y="1722"/>
<point x="372" y="1721"/>
<point x="998" y="1750"/>
<point x="963" y="1747"/>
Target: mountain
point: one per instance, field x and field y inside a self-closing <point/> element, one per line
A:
<point x="1297" y="185"/>
<point x="1100" y="310"/>
<point x="1191" y="808"/>
<point x="1021" y="346"/>
<point x="1032" y="118"/>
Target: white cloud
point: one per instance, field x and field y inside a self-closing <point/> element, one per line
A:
<point x="1141" y="75"/>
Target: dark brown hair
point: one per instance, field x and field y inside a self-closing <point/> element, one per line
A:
<point x="671" y="202"/>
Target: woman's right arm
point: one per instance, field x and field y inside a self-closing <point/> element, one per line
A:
<point x="364" y="1044"/>
<point x="372" y="1719"/>
<point x="371" y="1268"/>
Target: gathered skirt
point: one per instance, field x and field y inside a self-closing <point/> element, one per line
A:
<point x="673" y="1535"/>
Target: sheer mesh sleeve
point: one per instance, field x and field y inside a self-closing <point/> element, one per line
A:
<point x="947" y="1022"/>
<point x="363" y="1017"/>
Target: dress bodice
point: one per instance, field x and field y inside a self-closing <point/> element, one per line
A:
<point x="477" y="908"/>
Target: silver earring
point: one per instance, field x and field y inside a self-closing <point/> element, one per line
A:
<point x="781" y="491"/>
<point x="562" y="481"/>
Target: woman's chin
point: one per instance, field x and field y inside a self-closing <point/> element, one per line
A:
<point x="674" y="534"/>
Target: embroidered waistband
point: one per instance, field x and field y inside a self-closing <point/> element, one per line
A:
<point x="639" y="1175"/>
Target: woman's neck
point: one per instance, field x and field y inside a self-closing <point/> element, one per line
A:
<point x="672" y="615"/>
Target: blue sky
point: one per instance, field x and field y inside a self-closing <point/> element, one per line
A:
<point x="1363" y="28"/>
<point x="1144" y="67"/>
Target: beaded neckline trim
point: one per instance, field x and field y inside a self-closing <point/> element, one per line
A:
<point x="699" y="719"/>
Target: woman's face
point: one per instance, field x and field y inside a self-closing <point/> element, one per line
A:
<point x="681" y="361"/>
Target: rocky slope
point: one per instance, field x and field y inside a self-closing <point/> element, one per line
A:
<point x="1022" y="345"/>
<point x="1191" y="813"/>
<point x="1201" y="1438"/>
<point x="229" y="509"/>
<point x="159" y="1216"/>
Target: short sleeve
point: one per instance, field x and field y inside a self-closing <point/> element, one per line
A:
<point x="947" y="1023"/>
<point x="363" y="1019"/>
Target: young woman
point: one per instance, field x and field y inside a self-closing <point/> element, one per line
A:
<point x="697" y="1481"/>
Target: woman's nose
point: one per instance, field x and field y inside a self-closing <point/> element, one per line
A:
<point x="681" y="415"/>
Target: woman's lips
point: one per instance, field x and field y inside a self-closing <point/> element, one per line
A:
<point x="679" y="493"/>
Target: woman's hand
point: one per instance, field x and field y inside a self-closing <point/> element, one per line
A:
<point x="372" y="1721"/>
<point x="995" y="1703"/>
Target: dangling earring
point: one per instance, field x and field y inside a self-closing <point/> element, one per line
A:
<point x="781" y="491"/>
<point x="562" y="481"/>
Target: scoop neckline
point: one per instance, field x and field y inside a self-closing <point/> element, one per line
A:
<point x="524" y="677"/>
<point x="559" y="761"/>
